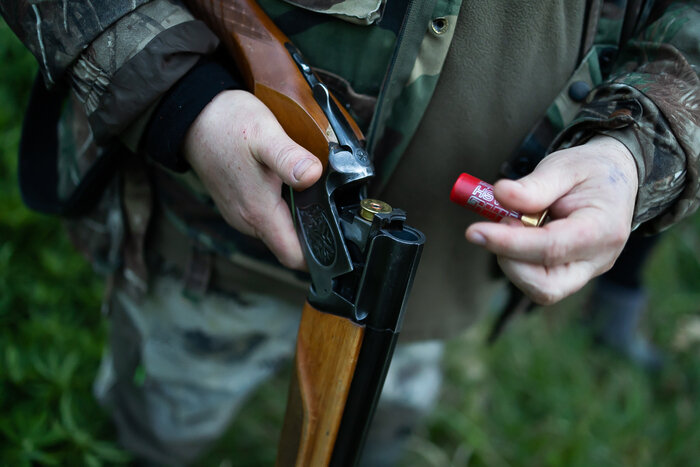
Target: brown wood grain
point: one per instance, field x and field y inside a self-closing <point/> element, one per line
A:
<point x="257" y="46"/>
<point x="327" y="350"/>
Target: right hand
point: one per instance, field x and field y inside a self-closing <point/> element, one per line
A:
<point x="590" y="191"/>
<point x="242" y="155"/>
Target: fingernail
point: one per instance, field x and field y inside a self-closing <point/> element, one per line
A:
<point x="301" y="167"/>
<point x="476" y="238"/>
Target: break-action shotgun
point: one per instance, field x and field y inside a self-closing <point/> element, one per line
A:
<point x="361" y="256"/>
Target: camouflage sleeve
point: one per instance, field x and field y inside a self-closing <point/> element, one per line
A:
<point x="57" y="32"/>
<point x="119" y="56"/>
<point x="651" y="103"/>
<point x="126" y="69"/>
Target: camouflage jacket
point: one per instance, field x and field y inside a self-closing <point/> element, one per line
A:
<point x="384" y="58"/>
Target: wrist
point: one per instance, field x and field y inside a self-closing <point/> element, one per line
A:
<point x="616" y="152"/>
<point x="169" y="126"/>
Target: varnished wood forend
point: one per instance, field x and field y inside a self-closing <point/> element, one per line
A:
<point x="327" y="350"/>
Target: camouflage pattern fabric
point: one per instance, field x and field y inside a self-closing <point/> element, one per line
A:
<point x="90" y="45"/>
<point x="57" y="32"/>
<point x="664" y="83"/>
<point x="229" y="345"/>
<point x="99" y="236"/>
<point x="359" y="54"/>
<point x="411" y="82"/>
<point x="356" y="11"/>
<point x="136" y="60"/>
<point x="94" y="70"/>
<point x="600" y="44"/>
<point x="651" y="103"/>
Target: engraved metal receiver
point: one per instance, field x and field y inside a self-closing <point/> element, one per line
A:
<point x="337" y="239"/>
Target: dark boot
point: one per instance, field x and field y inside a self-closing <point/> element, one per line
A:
<point x="613" y="313"/>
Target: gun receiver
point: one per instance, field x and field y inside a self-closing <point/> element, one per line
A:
<point x="361" y="256"/>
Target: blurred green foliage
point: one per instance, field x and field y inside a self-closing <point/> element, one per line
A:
<point x="51" y="332"/>
<point x="543" y="395"/>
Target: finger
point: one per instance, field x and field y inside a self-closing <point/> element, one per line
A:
<point x="295" y="165"/>
<point x="548" y="285"/>
<point x="558" y="242"/>
<point x="550" y="180"/>
<point x="272" y="223"/>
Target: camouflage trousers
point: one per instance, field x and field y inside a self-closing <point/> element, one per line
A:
<point x="178" y="370"/>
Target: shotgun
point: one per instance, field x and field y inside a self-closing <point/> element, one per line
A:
<point x="361" y="256"/>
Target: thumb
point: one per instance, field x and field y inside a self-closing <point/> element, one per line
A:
<point x="535" y="192"/>
<point x="296" y="166"/>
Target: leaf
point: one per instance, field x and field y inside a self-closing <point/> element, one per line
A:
<point x="66" y="412"/>
<point x="91" y="460"/>
<point x="43" y="457"/>
<point x="6" y="251"/>
<point x="80" y="437"/>
<point x="110" y="452"/>
<point x="8" y="430"/>
<point x="44" y="364"/>
<point x="13" y="362"/>
<point x="67" y="370"/>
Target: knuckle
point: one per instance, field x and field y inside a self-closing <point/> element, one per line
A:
<point x="251" y="216"/>
<point x="289" y="261"/>
<point x="253" y="130"/>
<point x="546" y="297"/>
<point x="251" y="138"/>
<point x="619" y="235"/>
<point x="588" y="236"/>
<point x="230" y="218"/>
<point x="285" y="156"/>
<point x="541" y="291"/>
<point x="607" y="266"/>
<point x="554" y="251"/>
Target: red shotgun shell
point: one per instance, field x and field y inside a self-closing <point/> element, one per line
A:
<point x="477" y="195"/>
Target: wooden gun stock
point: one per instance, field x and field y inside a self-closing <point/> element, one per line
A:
<point x="258" y="48"/>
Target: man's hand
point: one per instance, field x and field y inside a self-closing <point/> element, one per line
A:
<point x="590" y="191"/>
<point x="242" y="155"/>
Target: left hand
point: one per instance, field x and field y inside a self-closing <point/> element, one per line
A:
<point x="242" y="155"/>
<point x="590" y="191"/>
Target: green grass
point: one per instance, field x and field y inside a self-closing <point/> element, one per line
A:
<point x="543" y="395"/>
<point x="51" y="331"/>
